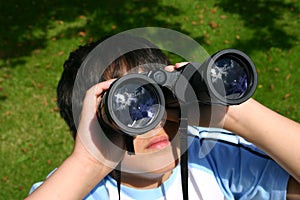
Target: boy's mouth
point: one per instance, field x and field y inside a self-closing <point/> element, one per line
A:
<point x="159" y="142"/>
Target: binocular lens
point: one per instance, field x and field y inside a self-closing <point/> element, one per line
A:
<point x="135" y="105"/>
<point x="229" y="78"/>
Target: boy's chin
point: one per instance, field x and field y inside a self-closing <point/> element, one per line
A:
<point x="157" y="161"/>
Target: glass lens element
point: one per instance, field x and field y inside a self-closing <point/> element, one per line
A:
<point x="229" y="78"/>
<point x="136" y="105"/>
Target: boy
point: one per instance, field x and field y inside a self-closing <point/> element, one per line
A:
<point x="99" y="162"/>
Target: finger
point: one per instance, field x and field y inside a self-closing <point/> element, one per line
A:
<point x="180" y="64"/>
<point x="170" y="68"/>
<point x="102" y="86"/>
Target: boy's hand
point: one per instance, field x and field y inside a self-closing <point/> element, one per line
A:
<point x="97" y="145"/>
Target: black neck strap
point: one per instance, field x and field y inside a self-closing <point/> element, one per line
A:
<point x="118" y="177"/>
<point x="184" y="152"/>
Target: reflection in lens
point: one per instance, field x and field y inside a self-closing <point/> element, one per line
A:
<point x="229" y="78"/>
<point x="135" y="105"/>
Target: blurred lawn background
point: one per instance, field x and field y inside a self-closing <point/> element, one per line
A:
<point x="37" y="36"/>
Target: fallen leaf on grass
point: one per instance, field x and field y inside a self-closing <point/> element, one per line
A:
<point x="213" y="24"/>
<point x="23" y="149"/>
<point x="271" y="87"/>
<point x="213" y="10"/>
<point x="82" y="34"/>
<point x="21" y="188"/>
<point x="286" y="96"/>
<point x="60" y="53"/>
<point x="276" y="69"/>
<point x="7" y="76"/>
<point x="4" y="179"/>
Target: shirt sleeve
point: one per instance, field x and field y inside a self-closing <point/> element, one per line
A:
<point x="38" y="184"/>
<point x="242" y="170"/>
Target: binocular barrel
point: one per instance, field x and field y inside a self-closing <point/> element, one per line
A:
<point x="228" y="77"/>
<point x="135" y="103"/>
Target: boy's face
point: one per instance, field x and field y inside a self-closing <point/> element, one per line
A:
<point x="156" y="151"/>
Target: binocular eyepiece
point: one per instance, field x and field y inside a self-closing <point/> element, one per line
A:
<point x="135" y="103"/>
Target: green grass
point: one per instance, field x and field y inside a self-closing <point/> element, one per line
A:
<point x="37" y="36"/>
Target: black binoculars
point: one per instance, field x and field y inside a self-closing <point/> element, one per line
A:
<point x="136" y="102"/>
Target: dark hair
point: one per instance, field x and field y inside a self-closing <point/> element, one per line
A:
<point x="146" y="55"/>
